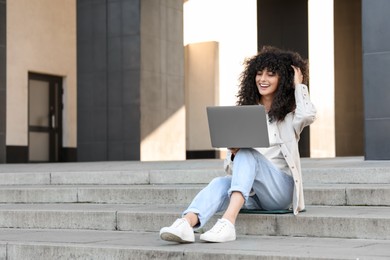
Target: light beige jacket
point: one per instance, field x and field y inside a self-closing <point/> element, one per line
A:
<point x="289" y="133"/>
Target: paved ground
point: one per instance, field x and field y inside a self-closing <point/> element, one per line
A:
<point x="112" y="244"/>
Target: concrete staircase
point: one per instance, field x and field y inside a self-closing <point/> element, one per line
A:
<point x="114" y="210"/>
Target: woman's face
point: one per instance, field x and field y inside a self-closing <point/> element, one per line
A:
<point x="267" y="82"/>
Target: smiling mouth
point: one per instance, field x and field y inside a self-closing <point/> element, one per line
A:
<point x="264" y="85"/>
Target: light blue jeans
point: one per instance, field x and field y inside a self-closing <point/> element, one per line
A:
<point x="273" y="188"/>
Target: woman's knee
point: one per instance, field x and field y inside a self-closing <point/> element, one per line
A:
<point x="243" y="151"/>
<point x="217" y="182"/>
<point x="247" y="154"/>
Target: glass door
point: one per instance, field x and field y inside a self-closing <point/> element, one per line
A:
<point x="45" y="118"/>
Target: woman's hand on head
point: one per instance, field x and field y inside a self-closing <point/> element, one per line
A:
<point x="298" y="76"/>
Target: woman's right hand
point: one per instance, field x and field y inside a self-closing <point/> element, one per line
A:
<point x="234" y="150"/>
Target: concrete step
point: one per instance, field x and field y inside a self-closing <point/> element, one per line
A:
<point x="183" y="176"/>
<point x="111" y="177"/>
<point x="315" y="194"/>
<point x="106" y="173"/>
<point x="114" y="210"/>
<point x="347" y="194"/>
<point x="90" y="244"/>
<point x="317" y="221"/>
<point x="352" y="170"/>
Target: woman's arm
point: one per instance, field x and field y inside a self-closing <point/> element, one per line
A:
<point x="305" y="111"/>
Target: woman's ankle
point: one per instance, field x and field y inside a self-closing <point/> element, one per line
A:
<point x="230" y="219"/>
<point x="191" y="218"/>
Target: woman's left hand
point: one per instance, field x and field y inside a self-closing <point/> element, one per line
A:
<point x="298" y="76"/>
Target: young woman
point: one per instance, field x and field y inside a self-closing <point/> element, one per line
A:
<point x="257" y="178"/>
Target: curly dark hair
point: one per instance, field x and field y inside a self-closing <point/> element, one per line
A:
<point x="278" y="61"/>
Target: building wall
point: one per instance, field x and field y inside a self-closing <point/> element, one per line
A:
<point x="41" y="38"/>
<point x="349" y="132"/>
<point x="108" y="64"/>
<point x="202" y="90"/>
<point x="131" y="80"/>
<point x="3" y="89"/>
<point x="376" y="83"/>
<point x="130" y="93"/>
<point x="162" y="81"/>
<point x="216" y="48"/>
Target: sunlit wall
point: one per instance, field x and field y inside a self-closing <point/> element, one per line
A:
<point x="227" y="30"/>
<point x="48" y="50"/>
<point x="162" y="104"/>
<point x="231" y="23"/>
<point x="321" y="57"/>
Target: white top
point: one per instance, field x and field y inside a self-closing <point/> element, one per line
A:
<point x="274" y="152"/>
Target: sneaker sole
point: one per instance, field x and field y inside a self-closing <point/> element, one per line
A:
<point x="216" y="241"/>
<point x="173" y="238"/>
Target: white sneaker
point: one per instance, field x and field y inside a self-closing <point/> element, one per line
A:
<point x="180" y="231"/>
<point x="223" y="231"/>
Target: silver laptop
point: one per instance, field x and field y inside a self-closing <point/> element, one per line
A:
<point x="238" y="126"/>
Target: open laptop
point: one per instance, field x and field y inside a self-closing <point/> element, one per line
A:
<point x="238" y="126"/>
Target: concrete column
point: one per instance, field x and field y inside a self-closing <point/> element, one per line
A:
<point x="162" y="107"/>
<point x="202" y="90"/>
<point x="130" y="80"/>
<point x="108" y="107"/>
<point x="376" y="83"/>
<point x="3" y="89"/>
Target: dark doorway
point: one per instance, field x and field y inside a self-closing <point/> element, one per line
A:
<point x="45" y="118"/>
